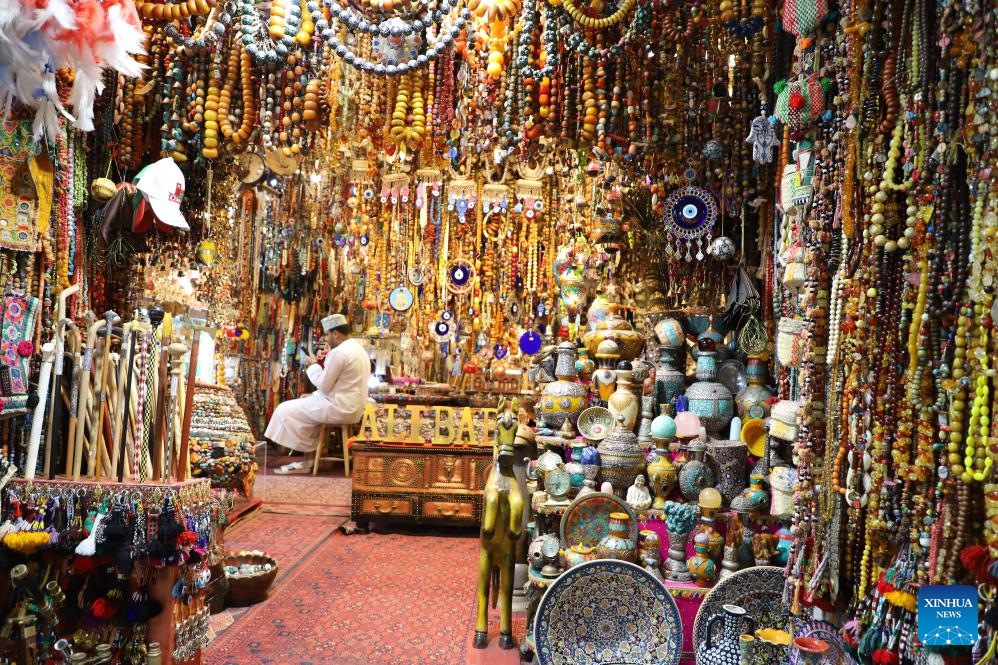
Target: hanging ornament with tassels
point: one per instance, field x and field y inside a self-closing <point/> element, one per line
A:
<point x="690" y="215"/>
<point x="799" y="103"/>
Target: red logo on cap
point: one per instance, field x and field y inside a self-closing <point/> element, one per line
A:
<point x="178" y="195"/>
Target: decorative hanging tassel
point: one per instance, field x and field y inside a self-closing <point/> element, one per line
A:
<point x="885" y="657"/>
<point x="88" y="547"/>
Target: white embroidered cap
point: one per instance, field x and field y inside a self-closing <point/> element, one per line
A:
<point x="333" y="321"/>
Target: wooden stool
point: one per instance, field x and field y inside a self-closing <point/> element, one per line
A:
<point x="345" y="432"/>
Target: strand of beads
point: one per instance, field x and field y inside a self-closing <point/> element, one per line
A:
<point x="240" y="65"/>
<point x="168" y="11"/>
<point x="589" y="23"/>
<point x="208" y="34"/>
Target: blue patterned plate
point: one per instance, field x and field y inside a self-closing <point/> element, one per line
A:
<point x="607" y="611"/>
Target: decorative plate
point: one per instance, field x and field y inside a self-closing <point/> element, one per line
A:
<point x="607" y="611"/>
<point x="731" y="374"/>
<point x="822" y="630"/>
<point x="754" y="436"/>
<point x="759" y="590"/>
<point x="400" y="299"/>
<point x="587" y="519"/>
<point x="595" y="423"/>
<point x="690" y="212"/>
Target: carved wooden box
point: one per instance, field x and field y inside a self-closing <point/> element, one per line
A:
<point x="419" y="485"/>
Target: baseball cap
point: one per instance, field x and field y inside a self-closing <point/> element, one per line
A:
<point x="162" y="185"/>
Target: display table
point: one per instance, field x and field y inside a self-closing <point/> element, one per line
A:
<point x="418" y="484"/>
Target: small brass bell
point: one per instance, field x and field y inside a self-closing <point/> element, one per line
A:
<point x="102" y="189"/>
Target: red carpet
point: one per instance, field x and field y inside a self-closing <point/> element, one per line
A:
<point x="380" y="598"/>
<point x="288" y="539"/>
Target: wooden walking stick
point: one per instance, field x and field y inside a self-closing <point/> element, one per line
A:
<point x="119" y="435"/>
<point x="34" y="439"/>
<point x="60" y="348"/>
<point x="86" y="367"/>
<point x="100" y="401"/>
<point x="198" y="318"/>
<point x="176" y="351"/>
<point x="73" y="396"/>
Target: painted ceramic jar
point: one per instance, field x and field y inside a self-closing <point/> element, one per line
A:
<point x="708" y="398"/>
<point x="695" y="474"/>
<point x="662" y="473"/>
<point x="590" y="460"/>
<point x="599" y="309"/>
<point x="578" y="554"/>
<point x="585" y="366"/>
<point x="623" y="403"/>
<point x="564" y="398"/>
<point x="702" y="568"/>
<point x="576" y="470"/>
<point x="728" y="459"/>
<point x="669" y="381"/>
<point x="722" y="645"/>
<point x="617" y="544"/>
<point x="670" y="334"/>
<point x="622" y="459"/>
<point x="753" y="400"/>
<point x="753" y="498"/>
<point x="616" y="328"/>
<point x="746" y="644"/>
<point x="810" y="650"/>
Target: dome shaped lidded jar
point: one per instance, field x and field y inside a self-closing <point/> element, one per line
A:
<point x="708" y="398"/>
<point x="564" y="398"/>
<point x="622" y="458"/>
<point x="669" y="381"/>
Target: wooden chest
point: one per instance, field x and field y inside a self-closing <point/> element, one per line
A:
<point x="418" y="485"/>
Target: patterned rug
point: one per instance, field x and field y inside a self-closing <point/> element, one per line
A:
<point x="326" y="494"/>
<point x="287" y="538"/>
<point x="384" y="598"/>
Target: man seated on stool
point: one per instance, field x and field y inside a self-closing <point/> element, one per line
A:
<point x="339" y="399"/>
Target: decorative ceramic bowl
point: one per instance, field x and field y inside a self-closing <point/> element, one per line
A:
<point x="607" y="611"/>
<point x="595" y="423"/>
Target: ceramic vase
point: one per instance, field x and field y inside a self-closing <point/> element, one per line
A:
<point x="746" y="644"/>
<point x="617" y="544"/>
<point x="722" y="645"/>
<point x="676" y="569"/>
<point x="598" y="310"/>
<point x="585" y="366"/>
<point x="669" y="381"/>
<point x="695" y="474"/>
<point x="753" y="400"/>
<point x="576" y="470"/>
<point x="564" y="398"/>
<point x="753" y="498"/>
<point x="623" y="403"/>
<point x="729" y="458"/>
<point x="708" y="528"/>
<point x="708" y="398"/>
<point x="701" y="565"/>
<point x="622" y="458"/>
<point x="662" y="474"/>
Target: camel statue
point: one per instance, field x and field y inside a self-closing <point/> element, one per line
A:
<point x="502" y="522"/>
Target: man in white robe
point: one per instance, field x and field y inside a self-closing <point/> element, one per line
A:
<point x="339" y="399"/>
